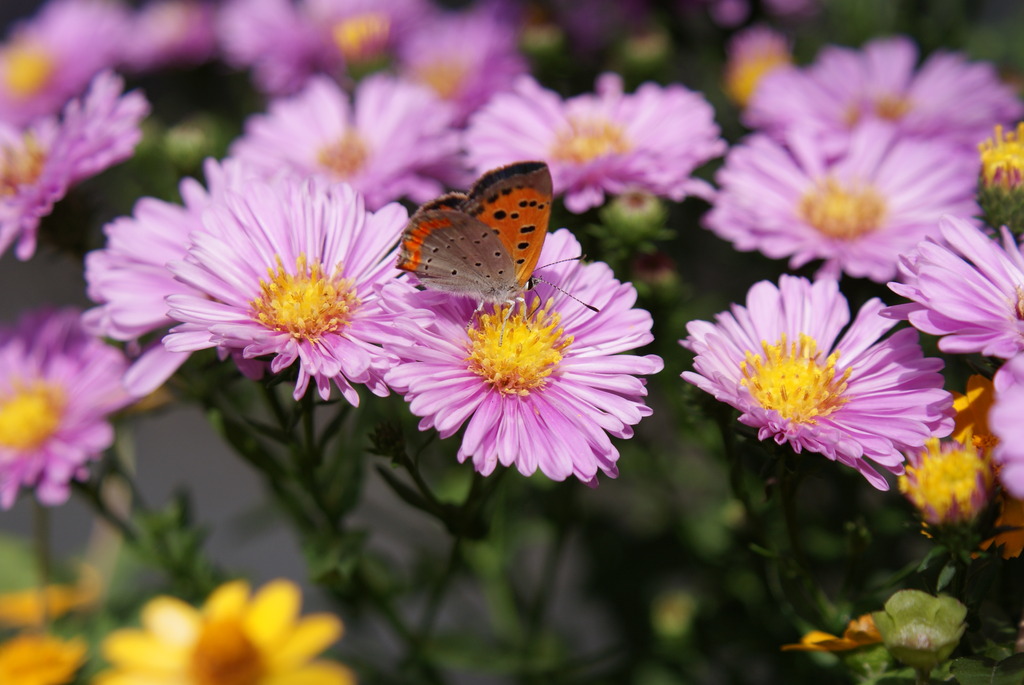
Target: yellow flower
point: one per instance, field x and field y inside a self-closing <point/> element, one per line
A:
<point x="24" y="608"/>
<point x="39" y="659"/>
<point x="232" y="640"/>
<point x="949" y="482"/>
<point x="1011" y="519"/>
<point x="859" y="632"/>
<point x="972" y="413"/>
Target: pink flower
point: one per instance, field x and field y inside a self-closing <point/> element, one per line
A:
<point x="855" y="399"/>
<point x="40" y="163"/>
<point x="967" y="289"/>
<point x="387" y="141"/>
<point x="609" y="141"/>
<point x="1004" y="421"/>
<point x="129" y="279"/>
<point x="286" y="44"/>
<point x="464" y="57"/>
<point x="858" y="212"/>
<point x="541" y="390"/>
<point x="291" y="269"/>
<point x="946" y="99"/>
<point x="170" y="33"/>
<point x="57" y="388"/>
<point x="52" y="57"/>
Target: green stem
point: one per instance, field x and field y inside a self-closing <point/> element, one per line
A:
<point x="41" y="530"/>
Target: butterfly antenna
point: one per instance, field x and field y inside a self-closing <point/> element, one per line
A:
<point x="567" y="294"/>
<point x="560" y="261"/>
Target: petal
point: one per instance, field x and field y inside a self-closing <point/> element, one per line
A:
<point x="312" y="635"/>
<point x="272" y="612"/>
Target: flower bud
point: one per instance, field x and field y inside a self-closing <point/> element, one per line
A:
<point x="921" y="630"/>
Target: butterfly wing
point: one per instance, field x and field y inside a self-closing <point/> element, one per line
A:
<point x="450" y="250"/>
<point x="516" y="201"/>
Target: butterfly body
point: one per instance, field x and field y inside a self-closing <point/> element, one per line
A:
<point x="484" y="244"/>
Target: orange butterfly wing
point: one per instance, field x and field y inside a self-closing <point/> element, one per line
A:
<point x="516" y="201"/>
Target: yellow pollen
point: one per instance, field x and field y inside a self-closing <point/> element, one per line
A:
<point x="27" y="69"/>
<point x="307" y="304"/>
<point x="224" y="655"/>
<point x="842" y="212"/>
<point x="345" y="157"/>
<point x="751" y="63"/>
<point x="444" y="76"/>
<point x="363" y="36"/>
<point x="30" y="415"/>
<point x="891" y="107"/>
<point x="792" y="380"/>
<point x="515" y="356"/>
<point x="20" y="166"/>
<point x="1002" y="159"/>
<point x="586" y="139"/>
<point x="950" y="483"/>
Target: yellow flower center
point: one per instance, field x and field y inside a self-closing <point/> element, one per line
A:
<point x="951" y="481"/>
<point x="37" y="659"/>
<point x="517" y="354"/>
<point x="20" y="166"/>
<point x="891" y="107"/>
<point x="444" y="76"/>
<point x="792" y="380"/>
<point x="224" y="655"/>
<point x="586" y="139"/>
<point x="363" y="36"/>
<point x="30" y="416"/>
<point x="747" y="67"/>
<point x="345" y="157"/>
<point x="842" y="212"/>
<point x="1002" y="158"/>
<point x="307" y="304"/>
<point x="27" y="69"/>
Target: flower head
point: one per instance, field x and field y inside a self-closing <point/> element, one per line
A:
<point x="1001" y="191"/>
<point x="40" y="659"/>
<point x="129" y="279"/>
<point x="606" y="142"/>
<point x="948" y="482"/>
<point x="290" y="269"/>
<point x="860" y="632"/>
<point x="52" y="57"/>
<point x="858" y="211"/>
<point x="40" y="163"/>
<point x="753" y="54"/>
<point x="780" y="361"/>
<point x="169" y="33"/>
<point x="881" y="82"/>
<point x="542" y="386"/>
<point x="387" y="142"/>
<point x="232" y="639"/>
<point x="33" y="607"/>
<point x="57" y="387"/>
<point x="287" y="43"/>
<point x="967" y="289"/>
<point x="465" y="58"/>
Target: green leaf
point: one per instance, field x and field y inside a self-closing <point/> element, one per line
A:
<point x="982" y="671"/>
<point x="946" y="575"/>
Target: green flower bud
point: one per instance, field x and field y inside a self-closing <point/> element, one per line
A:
<point x="921" y="630"/>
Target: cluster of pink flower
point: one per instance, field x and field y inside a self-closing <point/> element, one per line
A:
<point x="865" y="160"/>
<point x="287" y="255"/>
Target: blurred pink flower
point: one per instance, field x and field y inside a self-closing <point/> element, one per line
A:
<point x="606" y="142"/>
<point x="57" y="388"/>
<point x="51" y="57"/>
<point x="858" y="212"/>
<point x="387" y="140"/>
<point x="946" y="99"/>
<point x="166" y="33"/>
<point x="40" y="163"/>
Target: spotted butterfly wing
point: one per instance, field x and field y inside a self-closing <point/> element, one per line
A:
<point x="515" y="200"/>
<point x="486" y="244"/>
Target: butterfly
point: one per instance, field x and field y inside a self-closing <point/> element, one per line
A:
<point x="484" y="244"/>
